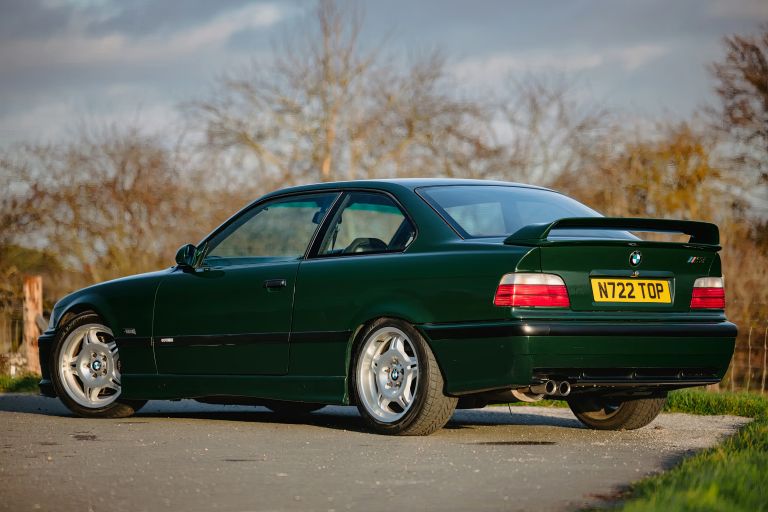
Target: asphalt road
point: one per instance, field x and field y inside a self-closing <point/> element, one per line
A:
<point x="195" y="457"/>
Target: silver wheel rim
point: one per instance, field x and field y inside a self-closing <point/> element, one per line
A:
<point x="89" y="366"/>
<point x="602" y="410"/>
<point x="387" y="374"/>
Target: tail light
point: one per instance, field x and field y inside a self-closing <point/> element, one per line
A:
<point x="532" y="290"/>
<point x="708" y="293"/>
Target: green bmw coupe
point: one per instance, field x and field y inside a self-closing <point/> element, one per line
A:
<point x="406" y="298"/>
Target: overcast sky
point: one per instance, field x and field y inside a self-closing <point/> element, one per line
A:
<point x="64" y="62"/>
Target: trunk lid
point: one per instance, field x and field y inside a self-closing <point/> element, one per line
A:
<point x="622" y="272"/>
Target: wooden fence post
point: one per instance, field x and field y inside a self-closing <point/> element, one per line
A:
<point x="33" y="308"/>
<point x="749" y="357"/>
<point x="765" y="351"/>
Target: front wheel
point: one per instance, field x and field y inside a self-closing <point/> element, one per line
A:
<point x="616" y="414"/>
<point x="85" y="369"/>
<point x="397" y="383"/>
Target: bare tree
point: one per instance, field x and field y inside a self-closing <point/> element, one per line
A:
<point x="327" y="108"/>
<point x="668" y="174"/>
<point x="547" y="135"/>
<point x="107" y="205"/>
<point x="742" y="114"/>
<point x="16" y="196"/>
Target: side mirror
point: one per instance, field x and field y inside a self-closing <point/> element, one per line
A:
<point x="186" y="256"/>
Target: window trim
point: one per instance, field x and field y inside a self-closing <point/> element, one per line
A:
<point x="205" y="242"/>
<point x="314" y="254"/>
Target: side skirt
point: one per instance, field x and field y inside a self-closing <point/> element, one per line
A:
<point x="322" y="390"/>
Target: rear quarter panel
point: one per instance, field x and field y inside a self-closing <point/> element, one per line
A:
<point x="335" y="296"/>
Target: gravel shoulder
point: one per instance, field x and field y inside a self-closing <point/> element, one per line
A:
<point x="198" y="457"/>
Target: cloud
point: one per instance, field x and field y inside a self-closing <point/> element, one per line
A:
<point x="742" y="9"/>
<point x="64" y="117"/>
<point x="77" y="48"/>
<point x="496" y="67"/>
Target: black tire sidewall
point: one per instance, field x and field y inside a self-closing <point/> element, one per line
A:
<point x="626" y="416"/>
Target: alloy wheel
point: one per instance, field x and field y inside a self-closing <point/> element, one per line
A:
<point x="89" y="366"/>
<point x="387" y="374"/>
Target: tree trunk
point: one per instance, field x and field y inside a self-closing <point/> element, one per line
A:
<point x="33" y="308"/>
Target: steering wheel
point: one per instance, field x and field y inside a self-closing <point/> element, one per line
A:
<point x="365" y="245"/>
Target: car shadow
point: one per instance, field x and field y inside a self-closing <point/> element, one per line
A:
<point x="334" y="417"/>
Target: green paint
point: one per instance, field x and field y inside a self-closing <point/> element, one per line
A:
<point x="234" y="336"/>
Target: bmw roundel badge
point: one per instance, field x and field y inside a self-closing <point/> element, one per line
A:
<point x="635" y="258"/>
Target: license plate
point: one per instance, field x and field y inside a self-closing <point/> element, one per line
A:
<point x="631" y="290"/>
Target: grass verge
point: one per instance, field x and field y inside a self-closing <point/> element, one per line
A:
<point x="732" y="476"/>
<point x="22" y="384"/>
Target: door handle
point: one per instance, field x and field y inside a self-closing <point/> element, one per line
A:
<point x="272" y="284"/>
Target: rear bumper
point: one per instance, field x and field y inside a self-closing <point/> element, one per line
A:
<point x="483" y="356"/>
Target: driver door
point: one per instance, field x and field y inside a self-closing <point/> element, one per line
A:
<point x="232" y="314"/>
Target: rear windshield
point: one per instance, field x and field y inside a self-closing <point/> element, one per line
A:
<point x="497" y="210"/>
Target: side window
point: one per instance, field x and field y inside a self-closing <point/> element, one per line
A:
<point x="367" y="222"/>
<point x="281" y="228"/>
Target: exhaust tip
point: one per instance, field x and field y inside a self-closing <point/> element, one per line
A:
<point x="564" y="388"/>
<point x="550" y="387"/>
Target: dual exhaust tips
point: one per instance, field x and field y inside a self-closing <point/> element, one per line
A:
<point x="552" y="388"/>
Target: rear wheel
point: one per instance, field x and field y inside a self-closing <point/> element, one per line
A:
<point x="85" y="369"/>
<point x="397" y="383"/>
<point x="616" y="414"/>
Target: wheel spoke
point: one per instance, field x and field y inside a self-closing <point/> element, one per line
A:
<point x="384" y="402"/>
<point x="407" y="394"/>
<point x="112" y="347"/>
<point x="402" y="402"/>
<point x="397" y="344"/>
<point x="91" y="392"/>
<point x="399" y="348"/>
<point x="410" y="376"/>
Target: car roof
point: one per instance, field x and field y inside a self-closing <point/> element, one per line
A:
<point x="395" y="184"/>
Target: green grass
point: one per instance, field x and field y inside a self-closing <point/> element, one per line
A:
<point x="23" y="384"/>
<point x="732" y="476"/>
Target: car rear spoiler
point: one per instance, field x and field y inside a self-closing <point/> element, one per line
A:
<point x="701" y="233"/>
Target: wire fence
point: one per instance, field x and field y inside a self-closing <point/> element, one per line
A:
<point x="748" y="370"/>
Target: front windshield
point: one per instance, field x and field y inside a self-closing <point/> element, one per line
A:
<point x="498" y="210"/>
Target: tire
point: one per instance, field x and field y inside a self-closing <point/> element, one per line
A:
<point x="396" y="381"/>
<point x="606" y="414"/>
<point x="87" y="381"/>
<point x="292" y="409"/>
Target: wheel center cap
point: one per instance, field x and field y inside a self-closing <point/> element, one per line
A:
<point x="96" y="365"/>
<point x="395" y="374"/>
